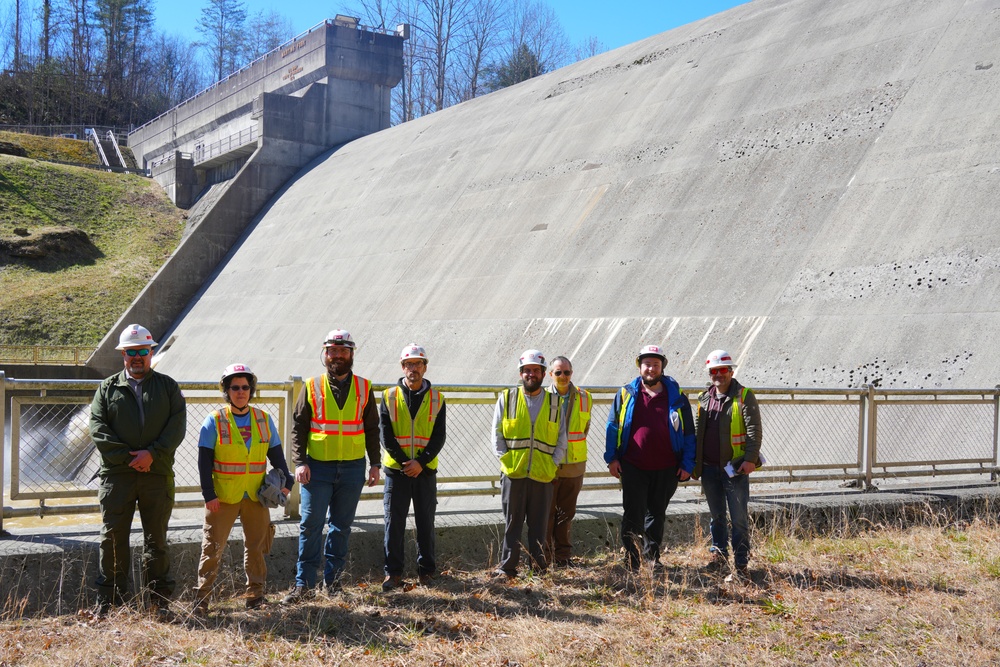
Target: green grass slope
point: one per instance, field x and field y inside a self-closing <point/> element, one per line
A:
<point x="53" y="148"/>
<point x="76" y="247"/>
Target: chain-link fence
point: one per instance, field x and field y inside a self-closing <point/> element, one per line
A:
<point x="808" y="435"/>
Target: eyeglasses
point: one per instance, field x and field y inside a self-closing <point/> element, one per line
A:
<point x="240" y="387"/>
<point x="561" y="373"/>
<point x="144" y="352"/>
<point x="719" y="371"/>
<point x="413" y="365"/>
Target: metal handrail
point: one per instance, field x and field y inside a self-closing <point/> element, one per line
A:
<point x="863" y="402"/>
<point x="110" y="136"/>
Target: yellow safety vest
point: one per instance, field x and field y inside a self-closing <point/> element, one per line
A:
<point x="336" y="434"/>
<point x="411" y="434"/>
<point x="529" y="447"/>
<point x="579" y="417"/>
<point x="737" y="427"/>
<point x="237" y="469"/>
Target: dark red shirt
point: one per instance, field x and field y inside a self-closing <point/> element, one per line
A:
<point x="649" y="445"/>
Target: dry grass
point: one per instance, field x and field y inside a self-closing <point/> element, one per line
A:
<point x="924" y="596"/>
<point x="53" y="148"/>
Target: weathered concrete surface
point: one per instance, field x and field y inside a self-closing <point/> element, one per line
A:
<point x="811" y="185"/>
<point x="366" y="65"/>
<point x="53" y="571"/>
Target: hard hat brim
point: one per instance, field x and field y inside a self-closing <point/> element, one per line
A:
<point x="126" y="346"/>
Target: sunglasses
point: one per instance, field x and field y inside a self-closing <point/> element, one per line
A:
<point x="719" y="371"/>
<point x="561" y="373"/>
<point x="133" y="352"/>
<point x="239" y="387"/>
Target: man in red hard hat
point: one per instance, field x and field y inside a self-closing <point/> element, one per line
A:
<point x="728" y="451"/>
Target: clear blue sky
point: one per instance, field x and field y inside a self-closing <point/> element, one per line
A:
<point x="614" y="24"/>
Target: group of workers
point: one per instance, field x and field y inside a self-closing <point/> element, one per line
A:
<point x="653" y="442"/>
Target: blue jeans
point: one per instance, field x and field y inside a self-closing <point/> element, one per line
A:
<point x="400" y="490"/>
<point x="333" y="491"/>
<point x="721" y="490"/>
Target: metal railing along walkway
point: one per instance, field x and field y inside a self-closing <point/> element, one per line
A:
<point x="809" y="435"/>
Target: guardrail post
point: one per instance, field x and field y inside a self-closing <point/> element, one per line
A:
<point x="3" y="453"/>
<point x="862" y="439"/>
<point x="996" y="429"/>
<point x="870" y="456"/>
<point x="292" y="505"/>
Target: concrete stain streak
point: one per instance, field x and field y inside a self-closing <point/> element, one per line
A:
<point x="616" y="326"/>
<point x="697" y="349"/>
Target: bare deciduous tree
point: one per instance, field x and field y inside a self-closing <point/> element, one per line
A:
<point x="265" y="31"/>
<point x="222" y="25"/>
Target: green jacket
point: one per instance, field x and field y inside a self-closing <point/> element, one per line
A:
<point x="115" y="427"/>
<point x="751" y="419"/>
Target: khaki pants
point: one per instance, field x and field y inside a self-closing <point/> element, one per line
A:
<point x="565" y="490"/>
<point x="256" y="522"/>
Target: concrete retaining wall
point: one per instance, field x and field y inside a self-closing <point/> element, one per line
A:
<point x="54" y="572"/>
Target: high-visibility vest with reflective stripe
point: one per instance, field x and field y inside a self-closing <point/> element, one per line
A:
<point x="336" y="434"/>
<point x="579" y="417"/>
<point x="529" y="446"/>
<point x="737" y="427"/>
<point x="237" y="469"/>
<point x="627" y="398"/>
<point x="411" y="434"/>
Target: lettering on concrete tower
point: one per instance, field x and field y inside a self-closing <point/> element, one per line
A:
<point x="290" y="74"/>
<point x="292" y="48"/>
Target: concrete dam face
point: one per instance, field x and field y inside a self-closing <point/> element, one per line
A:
<point x="811" y="185"/>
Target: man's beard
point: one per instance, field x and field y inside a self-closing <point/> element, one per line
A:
<point x="652" y="383"/>
<point x="340" y="366"/>
<point x="533" y="386"/>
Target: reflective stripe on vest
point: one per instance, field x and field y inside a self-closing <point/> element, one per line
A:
<point x="579" y="418"/>
<point x="336" y="434"/>
<point x="737" y="427"/>
<point x="411" y="434"/>
<point x="529" y="446"/>
<point x="239" y="470"/>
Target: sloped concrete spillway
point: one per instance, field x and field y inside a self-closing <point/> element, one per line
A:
<point x="812" y="185"/>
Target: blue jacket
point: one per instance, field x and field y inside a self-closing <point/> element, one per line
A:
<point x="682" y="431"/>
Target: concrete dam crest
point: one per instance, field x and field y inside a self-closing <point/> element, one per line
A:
<point x="810" y="185"/>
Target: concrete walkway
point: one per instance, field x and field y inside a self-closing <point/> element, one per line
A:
<point x="52" y="570"/>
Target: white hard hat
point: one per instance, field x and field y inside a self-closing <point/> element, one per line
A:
<point x="413" y="351"/>
<point x="529" y="357"/>
<point x="135" y="335"/>
<point x="651" y="351"/>
<point x="718" y="359"/>
<point x="339" y="337"/>
<point x="238" y="369"/>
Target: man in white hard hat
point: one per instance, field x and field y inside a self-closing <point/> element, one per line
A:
<point x="234" y="447"/>
<point x="650" y="447"/>
<point x="412" y="417"/>
<point x="576" y="406"/>
<point x="728" y="451"/>
<point x="529" y="438"/>
<point x="137" y="420"/>
<point x="335" y="423"/>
